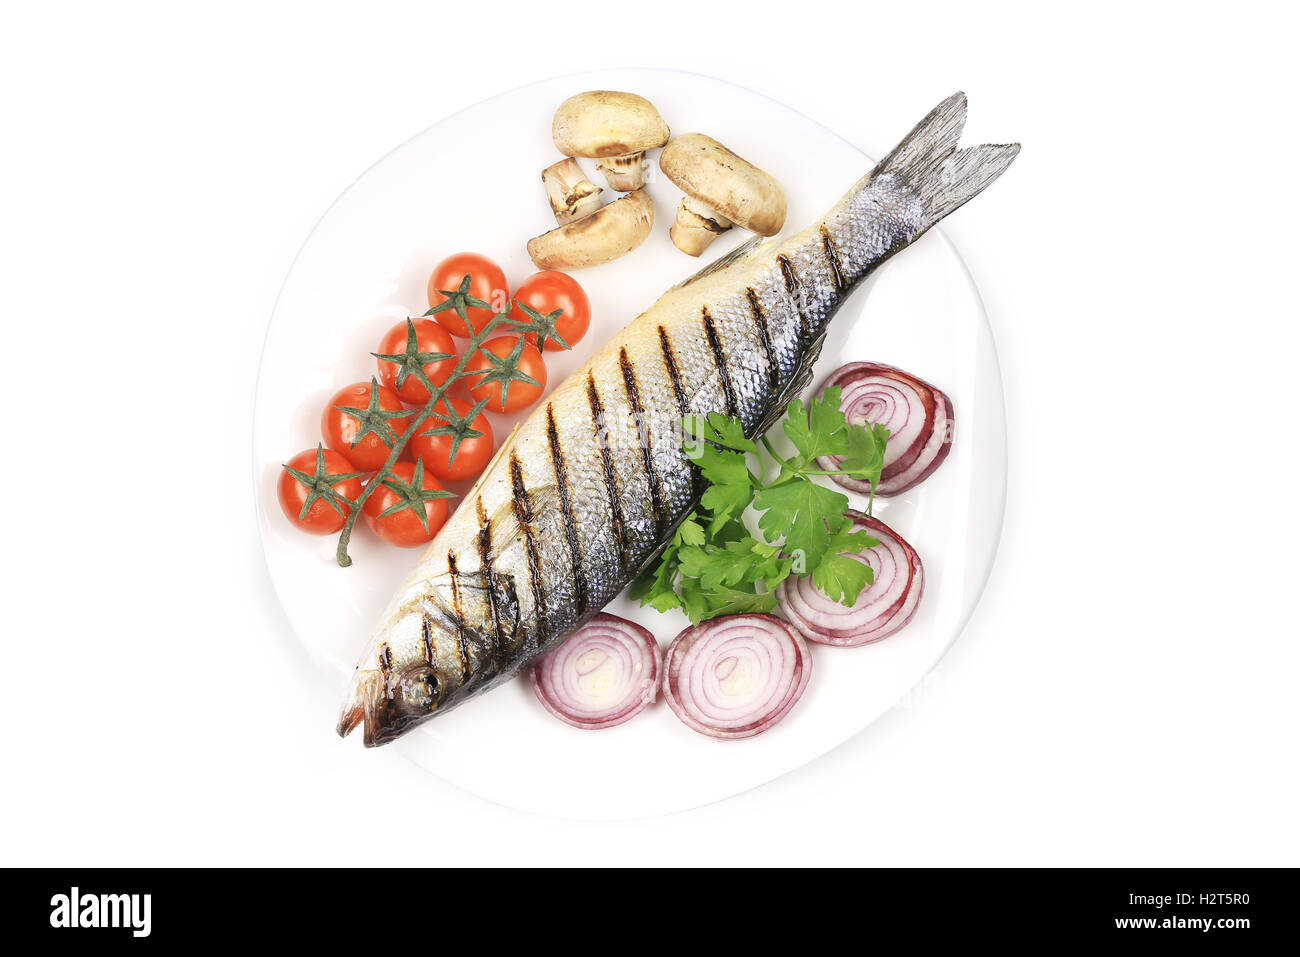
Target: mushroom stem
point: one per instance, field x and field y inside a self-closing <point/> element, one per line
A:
<point x="624" y="173"/>
<point x="696" y="225"/>
<point x="572" y="195"/>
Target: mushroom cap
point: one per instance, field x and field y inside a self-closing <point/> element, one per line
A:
<point x="606" y="234"/>
<point x="706" y="170"/>
<point x="607" y="123"/>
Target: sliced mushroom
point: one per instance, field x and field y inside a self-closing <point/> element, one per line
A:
<point x="613" y="128"/>
<point x="572" y="195"/>
<point x="721" y="189"/>
<point x="606" y="234"/>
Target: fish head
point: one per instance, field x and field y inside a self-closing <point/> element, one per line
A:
<point x="399" y="682"/>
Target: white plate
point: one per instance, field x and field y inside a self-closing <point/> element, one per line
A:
<point x="471" y="182"/>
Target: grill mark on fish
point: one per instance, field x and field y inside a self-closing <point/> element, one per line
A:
<point x="386" y="666"/>
<point x="488" y="574"/>
<point x="426" y="637"/>
<point x="607" y="467"/>
<point x="524" y="515"/>
<point x="566" y="508"/>
<point x="792" y="287"/>
<point x="833" y="257"/>
<point x="720" y="360"/>
<point x="462" y="647"/>
<point x="760" y="323"/>
<point x="670" y="363"/>
<point x="643" y="434"/>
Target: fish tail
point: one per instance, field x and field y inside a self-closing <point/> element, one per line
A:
<point x="942" y="176"/>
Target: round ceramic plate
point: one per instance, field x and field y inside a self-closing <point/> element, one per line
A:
<point x="458" y="186"/>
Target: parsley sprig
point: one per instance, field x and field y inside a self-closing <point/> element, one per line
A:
<point x="715" y="565"/>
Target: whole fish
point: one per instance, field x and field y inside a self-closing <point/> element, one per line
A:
<point x="588" y="490"/>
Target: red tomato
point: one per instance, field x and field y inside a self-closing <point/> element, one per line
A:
<point x="430" y="339"/>
<point x="546" y="292"/>
<point x="362" y="435"/>
<point x="487" y="284"/>
<point x="519" y="394"/>
<point x="319" y="471"/>
<point x="403" y="528"/>
<point x="435" y="450"/>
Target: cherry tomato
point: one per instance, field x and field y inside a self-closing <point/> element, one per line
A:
<point x="487" y="284"/>
<point x="403" y="528"/>
<point x="546" y="292"/>
<point x="435" y="450"/>
<point x="430" y="339"/>
<point x="361" y="435"/>
<point x="323" y="470"/>
<point x="519" y="394"/>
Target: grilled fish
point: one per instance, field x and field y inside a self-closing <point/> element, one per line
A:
<point x="588" y="490"/>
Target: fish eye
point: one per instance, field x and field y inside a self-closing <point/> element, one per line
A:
<point x="420" y="690"/>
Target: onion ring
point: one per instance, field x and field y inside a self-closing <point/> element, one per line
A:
<point x="919" y="418"/>
<point x="603" y="674"/>
<point x="736" y="676"/>
<point x="884" y="606"/>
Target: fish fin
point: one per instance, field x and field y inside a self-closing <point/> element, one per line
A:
<point x="722" y="262"/>
<point x="943" y="176"/>
<point x="799" y="381"/>
<point x="963" y="176"/>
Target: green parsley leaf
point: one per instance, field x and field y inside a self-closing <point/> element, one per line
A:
<point x="821" y="429"/>
<point x="694" y="601"/>
<point x="689" y="532"/>
<point x="842" y="578"/>
<point x="866" y="454"/>
<point x="716" y="428"/>
<point x="853" y="540"/>
<point x="664" y="600"/>
<point x="801" y="511"/>
<point x="735" y="601"/>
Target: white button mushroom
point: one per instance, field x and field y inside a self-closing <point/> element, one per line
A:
<point x="606" y="234"/>
<point x="572" y="195"/>
<point x="613" y="128"/>
<point x="721" y="189"/>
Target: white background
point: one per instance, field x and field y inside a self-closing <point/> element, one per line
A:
<point x="1125" y="693"/>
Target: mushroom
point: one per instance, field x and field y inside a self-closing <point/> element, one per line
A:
<point x="604" y="235"/>
<point x="572" y="195"/>
<point x="721" y="189"/>
<point x="613" y="128"/>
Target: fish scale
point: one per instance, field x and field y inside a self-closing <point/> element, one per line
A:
<point x="591" y="486"/>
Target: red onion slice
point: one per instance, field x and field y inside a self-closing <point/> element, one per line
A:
<point x="918" y="416"/>
<point x="883" y="607"/>
<point x="605" y="673"/>
<point x="735" y="676"/>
